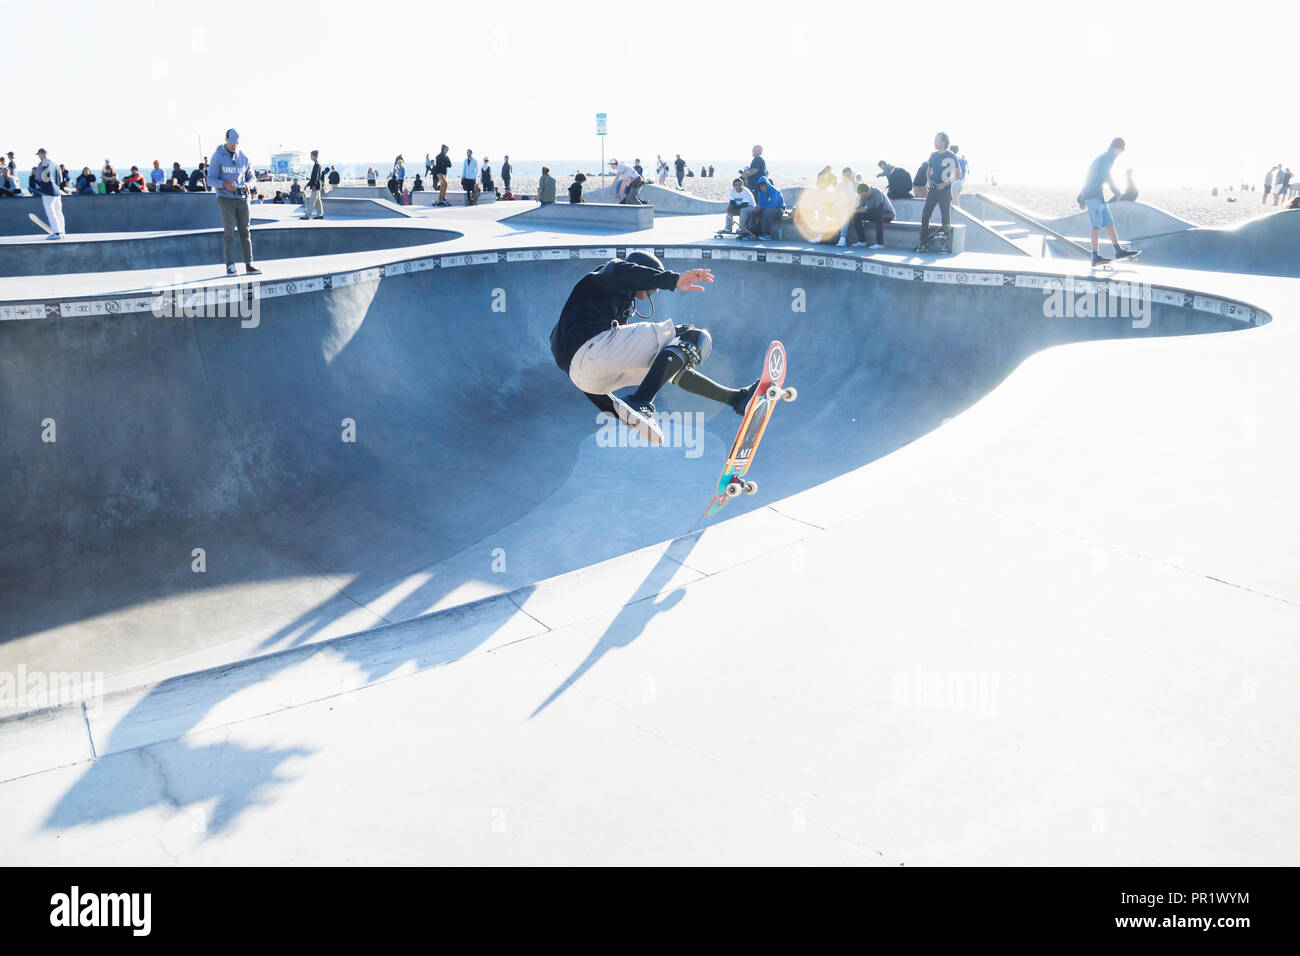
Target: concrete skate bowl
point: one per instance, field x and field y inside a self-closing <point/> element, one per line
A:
<point x="135" y="212"/>
<point x="1264" y="246"/>
<point x="204" y="247"/>
<point x="385" y="447"/>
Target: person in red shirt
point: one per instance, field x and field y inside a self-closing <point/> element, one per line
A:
<point x="135" y="182"/>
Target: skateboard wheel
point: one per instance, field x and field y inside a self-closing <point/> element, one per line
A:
<point x="734" y="489"/>
<point x="751" y="487"/>
<point x="773" y="392"/>
<point x="791" y="394"/>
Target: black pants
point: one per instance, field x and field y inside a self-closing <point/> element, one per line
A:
<point x="505" y="178"/>
<point x="877" y="216"/>
<point x="943" y="199"/>
<point x="468" y="184"/>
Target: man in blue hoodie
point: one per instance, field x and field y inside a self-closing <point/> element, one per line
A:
<point x="771" y="204"/>
<point x="229" y="173"/>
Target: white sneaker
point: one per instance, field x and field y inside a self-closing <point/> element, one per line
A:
<point x="859" y="244"/>
<point x="875" y="245"/>
<point x="643" y="424"/>
<point x="841" y="243"/>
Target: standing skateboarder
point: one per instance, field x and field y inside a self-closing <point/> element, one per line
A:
<point x="1090" y="198"/>
<point x="45" y="175"/>
<point x="601" y="351"/>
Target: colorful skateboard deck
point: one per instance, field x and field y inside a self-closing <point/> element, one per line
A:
<point x="771" y="389"/>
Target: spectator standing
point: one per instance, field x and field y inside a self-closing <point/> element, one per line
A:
<point x="1269" y="177"/>
<point x="231" y="174"/>
<point x="942" y="170"/>
<point x="469" y="176"/>
<point x="1281" y="185"/>
<point x="680" y="165"/>
<point x="661" y="170"/>
<point x="313" y="206"/>
<point x="486" y="176"/>
<point x="46" y="175"/>
<point x="505" y="172"/>
<point x="960" y="183"/>
<point x="756" y="170"/>
<point x="848" y="202"/>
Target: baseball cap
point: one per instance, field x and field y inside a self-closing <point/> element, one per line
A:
<point x="232" y="135"/>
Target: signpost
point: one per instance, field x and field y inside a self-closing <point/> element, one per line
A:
<point x="600" y="131"/>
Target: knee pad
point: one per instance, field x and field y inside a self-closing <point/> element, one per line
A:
<point x="692" y="345"/>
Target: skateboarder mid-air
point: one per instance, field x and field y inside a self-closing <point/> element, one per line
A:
<point x="601" y="351"/>
<point x="1090" y="198"/>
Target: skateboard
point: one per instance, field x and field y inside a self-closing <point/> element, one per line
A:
<point x="771" y="389"/>
<point x="40" y="222"/>
<point x="1111" y="263"/>
<point x="928" y="242"/>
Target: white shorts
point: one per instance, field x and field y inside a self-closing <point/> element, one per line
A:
<point x="620" y="357"/>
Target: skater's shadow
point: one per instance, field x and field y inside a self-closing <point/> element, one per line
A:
<point x="631" y="621"/>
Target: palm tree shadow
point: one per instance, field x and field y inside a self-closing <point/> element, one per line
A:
<point x="632" y="619"/>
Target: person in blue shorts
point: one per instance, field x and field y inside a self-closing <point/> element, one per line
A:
<point x="1090" y="198"/>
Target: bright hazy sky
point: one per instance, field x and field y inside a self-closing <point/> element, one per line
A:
<point x="1030" y="89"/>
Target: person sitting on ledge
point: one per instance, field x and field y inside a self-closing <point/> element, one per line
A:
<point x="86" y="182"/>
<point x="1130" y="193"/>
<point x="135" y="182"/>
<point x="575" y="188"/>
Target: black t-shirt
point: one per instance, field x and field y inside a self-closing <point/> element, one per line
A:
<point x="575" y="192"/>
<point x="759" y="165"/>
<point x="681" y="165"/>
<point x="602" y="298"/>
<point x="334" y="177"/>
<point x="900" y="183"/>
<point x="441" y="163"/>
